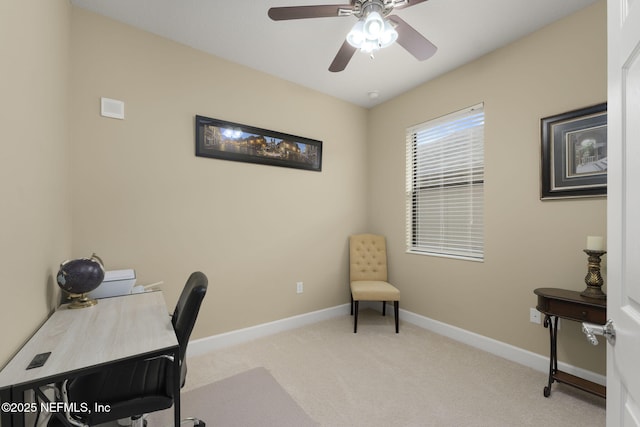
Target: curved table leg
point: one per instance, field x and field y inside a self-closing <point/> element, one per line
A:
<point x="551" y="322"/>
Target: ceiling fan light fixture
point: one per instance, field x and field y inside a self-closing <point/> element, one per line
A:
<point x="372" y="33"/>
<point x="356" y="36"/>
<point x="388" y="36"/>
<point x="373" y="25"/>
<point x="376" y="27"/>
<point x="369" y="46"/>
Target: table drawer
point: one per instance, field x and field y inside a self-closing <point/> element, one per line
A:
<point x="573" y="311"/>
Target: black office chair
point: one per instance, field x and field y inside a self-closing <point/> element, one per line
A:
<point x="138" y="388"/>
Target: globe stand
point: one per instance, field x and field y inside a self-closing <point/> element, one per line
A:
<point x="81" y="301"/>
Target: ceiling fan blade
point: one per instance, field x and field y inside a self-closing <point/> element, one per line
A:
<point x="414" y="42"/>
<point x="408" y="3"/>
<point x="303" y="12"/>
<point x="342" y="58"/>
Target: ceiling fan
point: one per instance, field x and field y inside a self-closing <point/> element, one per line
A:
<point x="376" y="27"/>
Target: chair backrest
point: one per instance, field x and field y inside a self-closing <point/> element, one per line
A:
<point x="367" y="257"/>
<point x="186" y="312"/>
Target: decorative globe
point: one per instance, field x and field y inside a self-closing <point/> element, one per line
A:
<point x="79" y="277"/>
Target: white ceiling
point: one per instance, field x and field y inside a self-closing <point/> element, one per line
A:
<point x="301" y="50"/>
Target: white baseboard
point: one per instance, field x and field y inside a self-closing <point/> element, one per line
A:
<point x="214" y="342"/>
<point x="499" y="348"/>
<point x="507" y="351"/>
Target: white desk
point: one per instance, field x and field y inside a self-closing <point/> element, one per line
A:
<point x="125" y="328"/>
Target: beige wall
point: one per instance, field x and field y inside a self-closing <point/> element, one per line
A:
<point x="529" y="243"/>
<point x="142" y="199"/>
<point x="148" y="203"/>
<point x="35" y="234"/>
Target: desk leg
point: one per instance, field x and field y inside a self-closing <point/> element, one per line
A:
<point x="8" y="417"/>
<point x="551" y="322"/>
<point x="5" y="396"/>
<point x="176" y="387"/>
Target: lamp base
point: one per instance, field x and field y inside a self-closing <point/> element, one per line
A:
<point x="593" y="279"/>
<point x="593" y="292"/>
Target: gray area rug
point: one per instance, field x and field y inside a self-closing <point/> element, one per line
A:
<point x="251" y="398"/>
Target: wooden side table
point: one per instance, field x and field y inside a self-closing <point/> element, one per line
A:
<point x="557" y="303"/>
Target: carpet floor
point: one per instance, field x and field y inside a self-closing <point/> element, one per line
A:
<point x="249" y="399"/>
<point x="379" y="378"/>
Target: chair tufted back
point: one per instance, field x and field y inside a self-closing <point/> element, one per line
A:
<point x="367" y="257"/>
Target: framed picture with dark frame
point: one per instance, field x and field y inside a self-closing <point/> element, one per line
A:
<point x="220" y="139"/>
<point x="574" y="154"/>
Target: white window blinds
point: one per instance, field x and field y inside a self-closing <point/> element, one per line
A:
<point x="445" y="185"/>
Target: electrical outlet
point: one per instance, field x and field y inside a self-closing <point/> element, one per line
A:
<point x="534" y="316"/>
<point x="299" y="287"/>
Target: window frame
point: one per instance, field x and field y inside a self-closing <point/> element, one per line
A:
<point x="448" y="178"/>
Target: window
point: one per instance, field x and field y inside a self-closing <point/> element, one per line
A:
<point x="445" y="185"/>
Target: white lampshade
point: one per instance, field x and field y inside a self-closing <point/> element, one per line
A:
<point x="369" y="46"/>
<point x="372" y="33"/>
<point x="373" y="25"/>
<point x="388" y="36"/>
<point x="356" y="35"/>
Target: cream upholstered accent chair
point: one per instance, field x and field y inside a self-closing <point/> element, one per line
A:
<point x="368" y="274"/>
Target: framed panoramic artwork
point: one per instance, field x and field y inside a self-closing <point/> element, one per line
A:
<point x="220" y="139"/>
<point x="574" y="154"/>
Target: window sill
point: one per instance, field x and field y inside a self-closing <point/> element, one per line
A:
<point x="434" y="254"/>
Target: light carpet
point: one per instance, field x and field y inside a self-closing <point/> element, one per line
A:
<point x="377" y="378"/>
<point x="249" y="399"/>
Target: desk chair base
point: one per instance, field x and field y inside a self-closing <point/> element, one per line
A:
<point x="196" y="422"/>
<point x="55" y="422"/>
<point x="141" y="421"/>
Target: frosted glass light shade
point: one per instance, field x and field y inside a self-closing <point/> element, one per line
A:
<point x="372" y="33"/>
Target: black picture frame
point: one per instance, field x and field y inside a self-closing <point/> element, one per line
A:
<point x="574" y="154"/>
<point x="225" y="140"/>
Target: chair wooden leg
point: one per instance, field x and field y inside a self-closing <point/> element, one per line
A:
<point x="384" y="308"/>
<point x="352" y="305"/>
<point x="396" y="312"/>
<point x="355" y="318"/>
